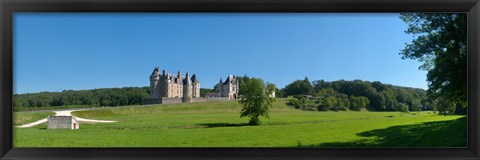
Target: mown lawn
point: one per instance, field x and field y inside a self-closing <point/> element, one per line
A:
<point x="217" y="124"/>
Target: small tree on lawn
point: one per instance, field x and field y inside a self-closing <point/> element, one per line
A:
<point x="444" y="106"/>
<point x="402" y="108"/>
<point x="254" y="96"/>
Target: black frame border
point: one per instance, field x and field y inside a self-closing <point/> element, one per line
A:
<point x="8" y="7"/>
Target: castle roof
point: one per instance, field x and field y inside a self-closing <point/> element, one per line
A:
<point x="229" y="79"/>
<point x="195" y="79"/>
<point x="155" y="72"/>
<point x="177" y="79"/>
<point x="187" y="80"/>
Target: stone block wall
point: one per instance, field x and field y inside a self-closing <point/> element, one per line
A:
<point x="166" y="100"/>
<point x="199" y="99"/>
<point x="170" y="100"/>
<point x="218" y="99"/>
<point x="62" y="122"/>
<point x="147" y="101"/>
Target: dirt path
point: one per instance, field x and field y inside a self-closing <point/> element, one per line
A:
<point x="33" y="123"/>
<point x="64" y="113"/>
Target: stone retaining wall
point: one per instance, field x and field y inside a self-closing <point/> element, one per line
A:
<point x="171" y="100"/>
<point x="218" y="99"/>
<point x="165" y="100"/>
<point x="147" y="101"/>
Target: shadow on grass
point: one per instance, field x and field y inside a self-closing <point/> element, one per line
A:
<point x="450" y="133"/>
<point x="215" y="125"/>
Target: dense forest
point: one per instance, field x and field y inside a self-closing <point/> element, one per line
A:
<point x="359" y="95"/>
<point x="93" y="98"/>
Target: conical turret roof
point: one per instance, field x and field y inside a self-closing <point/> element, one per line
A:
<point x="187" y="80"/>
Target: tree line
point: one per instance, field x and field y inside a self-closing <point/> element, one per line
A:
<point x="362" y="95"/>
<point x="92" y="98"/>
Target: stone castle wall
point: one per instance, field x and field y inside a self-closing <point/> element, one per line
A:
<point x="165" y="100"/>
<point x="218" y="99"/>
<point x="147" y="101"/>
<point x="210" y="99"/>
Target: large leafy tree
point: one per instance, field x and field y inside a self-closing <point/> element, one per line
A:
<point x="441" y="44"/>
<point x="254" y="96"/>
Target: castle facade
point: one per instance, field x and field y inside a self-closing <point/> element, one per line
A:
<point x="226" y="89"/>
<point x="174" y="86"/>
<point x="229" y="88"/>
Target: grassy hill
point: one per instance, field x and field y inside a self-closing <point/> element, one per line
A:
<point x="218" y="124"/>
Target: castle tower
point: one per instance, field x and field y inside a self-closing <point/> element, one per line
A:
<point x="187" y="89"/>
<point x="164" y="84"/>
<point x="179" y="76"/>
<point x="229" y="88"/>
<point x="195" y="86"/>
<point x="154" y="83"/>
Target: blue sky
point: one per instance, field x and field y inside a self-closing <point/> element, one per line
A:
<point x="63" y="51"/>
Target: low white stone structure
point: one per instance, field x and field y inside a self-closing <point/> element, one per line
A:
<point x="62" y="122"/>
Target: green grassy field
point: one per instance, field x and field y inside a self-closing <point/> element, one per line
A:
<point x="20" y="118"/>
<point x="217" y="124"/>
<point x="21" y="109"/>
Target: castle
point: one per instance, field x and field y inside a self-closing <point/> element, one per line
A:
<point x="168" y="88"/>
<point x="228" y="89"/>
